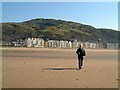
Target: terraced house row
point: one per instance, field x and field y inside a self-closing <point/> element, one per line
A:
<point x="39" y="42"/>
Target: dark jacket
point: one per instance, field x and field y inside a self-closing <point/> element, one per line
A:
<point x="80" y="52"/>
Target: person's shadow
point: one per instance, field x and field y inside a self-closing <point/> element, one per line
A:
<point x="60" y="69"/>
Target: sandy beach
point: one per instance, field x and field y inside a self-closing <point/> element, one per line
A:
<point x="57" y="68"/>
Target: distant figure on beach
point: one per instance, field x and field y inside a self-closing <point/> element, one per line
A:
<point x="80" y="52"/>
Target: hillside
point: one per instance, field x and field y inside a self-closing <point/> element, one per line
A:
<point x="58" y="30"/>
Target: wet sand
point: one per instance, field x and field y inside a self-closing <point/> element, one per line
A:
<point x="57" y="68"/>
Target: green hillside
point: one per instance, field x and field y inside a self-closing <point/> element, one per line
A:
<point x="58" y="30"/>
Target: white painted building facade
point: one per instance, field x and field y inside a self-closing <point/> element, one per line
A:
<point x="34" y="42"/>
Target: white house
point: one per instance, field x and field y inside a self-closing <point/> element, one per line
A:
<point x="34" y="42"/>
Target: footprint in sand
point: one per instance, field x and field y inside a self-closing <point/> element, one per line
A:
<point x="76" y="79"/>
<point x="117" y="79"/>
<point x="24" y="62"/>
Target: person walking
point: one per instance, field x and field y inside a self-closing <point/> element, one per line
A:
<point x="80" y="52"/>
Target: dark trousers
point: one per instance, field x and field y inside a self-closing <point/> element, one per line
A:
<point x="80" y="61"/>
